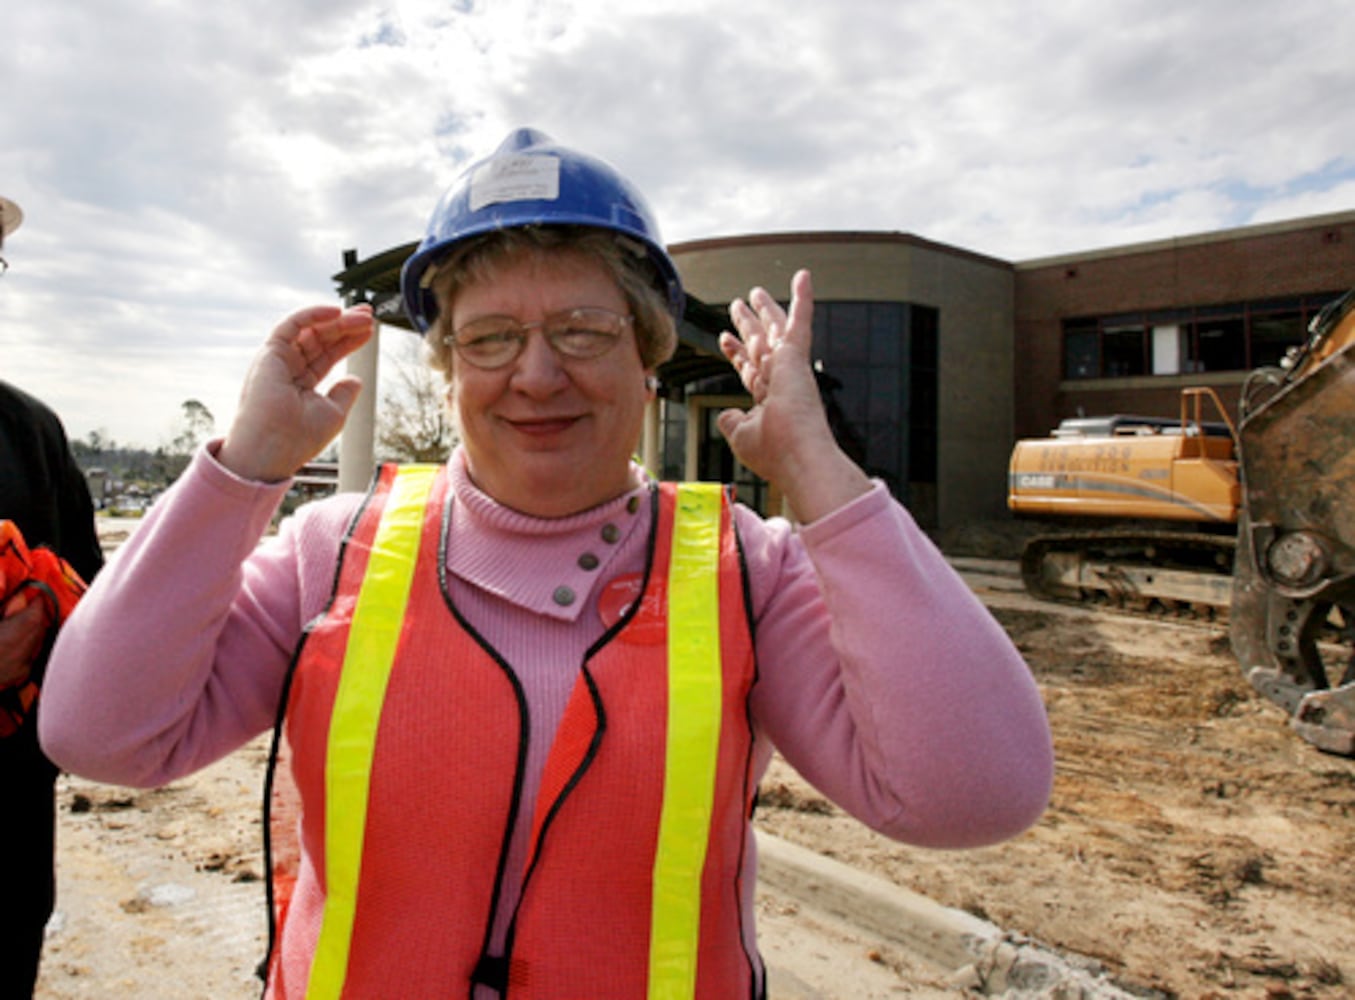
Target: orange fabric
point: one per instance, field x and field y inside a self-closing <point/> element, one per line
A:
<point x="28" y="575"/>
<point x="443" y="801"/>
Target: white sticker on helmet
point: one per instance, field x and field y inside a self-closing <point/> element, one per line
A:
<point x="515" y="178"/>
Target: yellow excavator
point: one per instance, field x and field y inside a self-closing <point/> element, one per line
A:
<point x="1201" y="515"/>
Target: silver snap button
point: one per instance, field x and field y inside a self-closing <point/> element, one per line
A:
<point x="588" y="561"/>
<point x="610" y="533"/>
<point x="563" y="596"/>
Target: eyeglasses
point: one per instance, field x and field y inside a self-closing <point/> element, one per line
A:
<point x="494" y="341"/>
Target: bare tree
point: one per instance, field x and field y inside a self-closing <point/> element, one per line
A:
<point x="413" y="423"/>
<point x="196" y="425"/>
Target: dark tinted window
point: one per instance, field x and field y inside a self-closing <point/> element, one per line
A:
<point x="1227" y="336"/>
<point x="877" y="365"/>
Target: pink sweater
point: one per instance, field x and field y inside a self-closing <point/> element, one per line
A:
<point x="882" y="679"/>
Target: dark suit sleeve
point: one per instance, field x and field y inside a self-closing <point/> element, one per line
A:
<point x="41" y="487"/>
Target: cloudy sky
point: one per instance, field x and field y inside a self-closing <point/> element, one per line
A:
<point x="192" y="172"/>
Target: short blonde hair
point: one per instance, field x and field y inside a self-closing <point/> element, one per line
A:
<point x="480" y="259"/>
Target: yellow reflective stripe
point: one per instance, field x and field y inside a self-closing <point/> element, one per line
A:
<point x="373" y="636"/>
<point x="695" y="681"/>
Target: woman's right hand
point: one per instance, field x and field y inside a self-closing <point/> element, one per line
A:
<point x="283" y="421"/>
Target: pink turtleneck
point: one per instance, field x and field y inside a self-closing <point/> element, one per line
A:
<point x="881" y="678"/>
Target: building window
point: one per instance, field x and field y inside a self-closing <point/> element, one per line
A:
<point x="924" y="396"/>
<point x="1168" y="349"/>
<point x="1081" y="349"/>
<point x="1124" y="346"/>
<point x="1218" y="344"/>
<point x="674" y="445"/>
<point x="1229" y="337"/>
<point x="1275" y="327"/>
<point x="877" y="367"/>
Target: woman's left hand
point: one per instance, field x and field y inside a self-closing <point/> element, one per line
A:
<point x="784" y="437"/>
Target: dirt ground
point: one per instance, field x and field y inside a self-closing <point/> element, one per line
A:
<point x="1194" y="847"/>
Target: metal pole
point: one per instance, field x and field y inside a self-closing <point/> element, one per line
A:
<point x="649" y="439"/>
<point x="357" y="444"/>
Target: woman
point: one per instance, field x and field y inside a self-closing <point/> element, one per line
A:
<point x="527" y="715"/>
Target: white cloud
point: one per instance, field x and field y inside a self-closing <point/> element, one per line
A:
<point x="191" y="173"/>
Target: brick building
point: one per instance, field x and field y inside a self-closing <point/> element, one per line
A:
<point x="1124" y="329"/>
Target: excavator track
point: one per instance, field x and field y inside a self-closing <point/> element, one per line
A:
<point x="1190" y="577"/>
<point x="1175" y="574"/>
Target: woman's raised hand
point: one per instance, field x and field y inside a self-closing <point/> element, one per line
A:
<point x="784" y="437"/>
<point x="283" y="420"/>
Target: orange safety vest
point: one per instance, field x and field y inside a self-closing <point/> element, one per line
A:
<point x="407" y="735"/>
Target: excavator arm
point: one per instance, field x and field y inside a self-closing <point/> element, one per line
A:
<point x="1292" y="619"/>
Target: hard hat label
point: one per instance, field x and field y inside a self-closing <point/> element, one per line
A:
<point x="515" y="178"/>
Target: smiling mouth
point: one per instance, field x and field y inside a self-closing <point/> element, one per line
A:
<point x="542" y="427"/>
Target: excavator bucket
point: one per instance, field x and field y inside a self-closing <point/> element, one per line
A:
<point x="1292" y="620"/>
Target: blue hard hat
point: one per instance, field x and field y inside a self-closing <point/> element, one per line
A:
<point x="532" y="181"/>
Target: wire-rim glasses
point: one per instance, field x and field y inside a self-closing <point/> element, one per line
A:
<point x="495" y="341"/>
